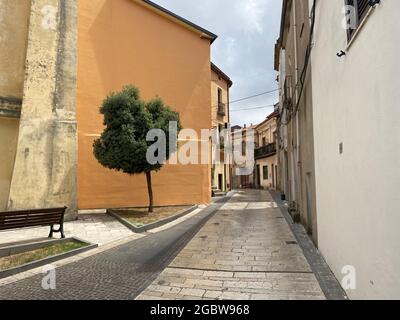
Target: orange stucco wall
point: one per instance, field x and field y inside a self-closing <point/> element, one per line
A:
<point x="121" y="42"/>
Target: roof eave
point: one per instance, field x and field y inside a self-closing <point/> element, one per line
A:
<point x="205" y="34"/>
<point x="222" y="74"/>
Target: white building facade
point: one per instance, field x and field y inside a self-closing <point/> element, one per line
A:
<point x="356" y="114"/>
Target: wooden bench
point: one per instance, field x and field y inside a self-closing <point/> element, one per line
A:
<point x="34" y="218"/>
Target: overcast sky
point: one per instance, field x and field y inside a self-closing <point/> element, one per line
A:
<point x="247" y="31"/>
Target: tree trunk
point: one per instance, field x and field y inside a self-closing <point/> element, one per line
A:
<point x="150" y="191"/>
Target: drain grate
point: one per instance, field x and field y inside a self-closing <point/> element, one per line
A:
<point x="291" y="242"/>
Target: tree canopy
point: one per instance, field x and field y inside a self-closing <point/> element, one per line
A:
<point x="123" y="145"/>
<point x="127" y="119"/>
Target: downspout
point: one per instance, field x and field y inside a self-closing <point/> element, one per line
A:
<point x="296" y="81"/>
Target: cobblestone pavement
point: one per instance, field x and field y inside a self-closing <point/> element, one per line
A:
<point x="246" y="251"/>
<point x="120" y="272"/>
<point x="96" y="228"/>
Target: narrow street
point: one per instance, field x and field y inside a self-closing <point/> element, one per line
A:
<point x="240" y="247"/>
<point x="246" y="251"/>
<point x="120" y="273"/>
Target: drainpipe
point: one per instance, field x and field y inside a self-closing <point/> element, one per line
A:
<point x="296" y="81"/>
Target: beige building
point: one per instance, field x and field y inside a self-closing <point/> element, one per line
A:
<point x="265" y="155"/>
<point x="339" y="135"/>
<point x="221" y="169"/>
<point x="37" y="94"/>
<point x="240" y="137"/>
<point x="296" y="169"/>
<point x="14" y="17"/>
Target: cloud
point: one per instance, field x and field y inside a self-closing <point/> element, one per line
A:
<point x="252" y="13"/>
<point x="244" y="50"/>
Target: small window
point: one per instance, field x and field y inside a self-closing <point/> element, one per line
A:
<point x="219" y="96"/>
<point x="265" y="172"/>
<point x="361" y="8"/>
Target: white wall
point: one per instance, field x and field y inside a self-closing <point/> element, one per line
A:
<point x="356" y="101"/>
<point x="268" y="183"/>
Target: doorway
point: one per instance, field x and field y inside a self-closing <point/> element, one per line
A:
<point x="258" y="182"/>
<point x="273" y="177"/>
<point x="220" y="182"/>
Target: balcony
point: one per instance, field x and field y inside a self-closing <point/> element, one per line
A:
<point x="221" y="109"/>
<point x="265" y="151"/>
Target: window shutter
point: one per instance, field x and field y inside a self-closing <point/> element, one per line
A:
<point x="361" y="7"/>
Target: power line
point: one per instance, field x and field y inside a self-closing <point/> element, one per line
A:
<point x="255" y="96"/>
<point x="254" y="108"/>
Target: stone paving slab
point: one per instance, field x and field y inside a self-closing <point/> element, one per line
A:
<point x="70" y="260"/>
<point x="218" y="285"/>
<point x="246" y="251"/>
<point x="118" y="270"/>
<point x="100" y="229"/>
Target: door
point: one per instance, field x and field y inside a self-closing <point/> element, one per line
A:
<point x="220" y="182"/>
<point x="258" y="177"/>
<point x="273" y="177"/>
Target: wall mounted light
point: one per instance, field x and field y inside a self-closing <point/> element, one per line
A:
<point x="341" y="53"/>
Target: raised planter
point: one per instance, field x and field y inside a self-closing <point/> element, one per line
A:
<point x="142" y="229"/>
<point x="11" y="250"/>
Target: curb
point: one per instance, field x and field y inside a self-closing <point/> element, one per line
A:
<point x="153" y="225"/>
<point x="42" y="262"/>
<point x="329" y="284"/>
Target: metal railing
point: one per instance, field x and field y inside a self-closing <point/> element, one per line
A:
<point x="265" y="151"/>
<point x="221" y="109"/>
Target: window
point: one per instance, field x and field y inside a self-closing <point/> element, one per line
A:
<point x="361" y="8"/>
<point x="264" y="142"/>
<point x="219" y="96"/>
<point x="221" y="106"/>
<point x="265" y="172"/>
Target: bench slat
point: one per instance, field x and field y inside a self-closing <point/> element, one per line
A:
<point x="32" y="212"/>
<point x="29" y="220"/>
<point x="23" y="225"/>
<point x="21" y="217"/>
<point x="32" y="218"/>
<point x="31" y="223"/>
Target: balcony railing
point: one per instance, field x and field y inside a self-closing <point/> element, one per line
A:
<point x="265" y="151"/>
<point x="221" y="109"/>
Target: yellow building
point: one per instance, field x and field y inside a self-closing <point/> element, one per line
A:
<point x="221" y="170"/>
<point x="60" y="59"/>
<point x="138" y="42"/>
<point x="266" y="168"/>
